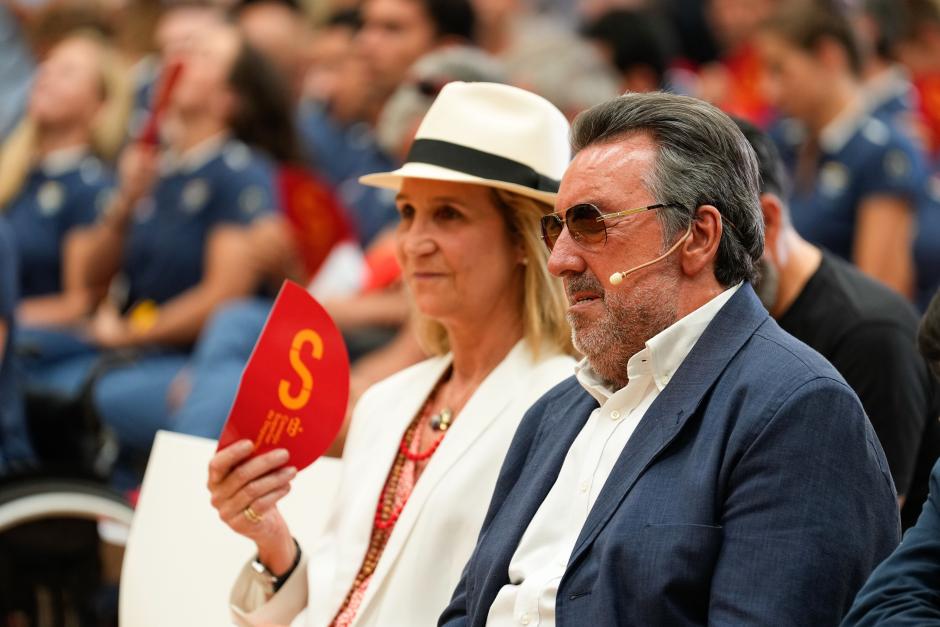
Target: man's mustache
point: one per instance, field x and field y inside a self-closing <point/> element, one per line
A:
<point x="584" y="282"/>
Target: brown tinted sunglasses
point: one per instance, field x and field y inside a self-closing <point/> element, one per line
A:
<point x="586" y="223"/>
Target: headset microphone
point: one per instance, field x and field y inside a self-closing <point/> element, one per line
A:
<point x="617" y="277"/>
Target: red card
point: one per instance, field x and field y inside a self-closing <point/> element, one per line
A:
<point x="161" y="102"/>
<point x="294" y="389"/>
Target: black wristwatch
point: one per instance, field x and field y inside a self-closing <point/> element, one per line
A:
<point x="269" y="578"/>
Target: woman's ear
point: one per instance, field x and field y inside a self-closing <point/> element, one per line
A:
<point x="101" y="118"/>
<point x="522" y="256"/>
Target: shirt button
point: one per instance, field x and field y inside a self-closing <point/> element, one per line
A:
<point x="584" y="486"/>
<point x="615" y="415"/>
<point x="524" y="619"/>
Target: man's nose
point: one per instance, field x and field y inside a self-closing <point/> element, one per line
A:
<point x="566" y="255"/>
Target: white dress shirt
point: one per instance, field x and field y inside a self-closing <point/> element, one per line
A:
<point x="542" y="556"/>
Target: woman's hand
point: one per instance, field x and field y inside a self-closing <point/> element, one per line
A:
<point x="180" y="387"/>
<point x="137" y="172"/>
<point x="108" y="328"/>
<point x="238" y="483"/>
<point x="137" y="169"/>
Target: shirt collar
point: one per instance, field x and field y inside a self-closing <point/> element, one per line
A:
<point x="146" y="70"/>
<point x="664" y="352"/>
<point x="835" y="135"/>
<point x="592" y="383"/>
<point x="892" y="83"/>
<point x="196" y="157"/>
<point x="63" y="160"/>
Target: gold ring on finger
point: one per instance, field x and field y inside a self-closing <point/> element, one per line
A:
<point x="251" y="515"/>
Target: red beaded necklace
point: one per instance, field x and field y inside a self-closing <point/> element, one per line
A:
<point x="386" y="511"/>
<point x="411" y="438"/>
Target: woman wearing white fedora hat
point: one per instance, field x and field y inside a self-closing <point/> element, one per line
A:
<point x="425" y="446"/>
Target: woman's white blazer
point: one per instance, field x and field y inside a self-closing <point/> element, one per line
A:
<point x="438" y="527"/>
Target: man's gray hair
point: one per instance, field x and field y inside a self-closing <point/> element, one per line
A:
<point x="703" y="159"/>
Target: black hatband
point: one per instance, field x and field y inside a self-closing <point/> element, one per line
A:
<point x="479" y="163"/>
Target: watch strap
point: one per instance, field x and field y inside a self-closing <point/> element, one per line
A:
<point x="276" y="582"/>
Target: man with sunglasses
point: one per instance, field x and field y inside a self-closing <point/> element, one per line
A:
<point x="703" y="466"/>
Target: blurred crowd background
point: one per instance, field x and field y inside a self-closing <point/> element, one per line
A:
<point x="164" y="166"/>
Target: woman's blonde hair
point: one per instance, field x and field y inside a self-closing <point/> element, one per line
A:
<point x="107" y="137"/>
<point x="543" y="298"/>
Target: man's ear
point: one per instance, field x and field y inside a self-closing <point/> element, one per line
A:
<point x="772" y="208"/>
<point x="830" y="54"/>
<point x="229" y="104"/>
<point x="700" y="249"/>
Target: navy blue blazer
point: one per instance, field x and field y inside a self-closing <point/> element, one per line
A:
<point x="905" y="590"/>
<point x="753" y="492"/>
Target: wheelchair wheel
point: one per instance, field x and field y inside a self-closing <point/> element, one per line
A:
<point x="61" y="547"/>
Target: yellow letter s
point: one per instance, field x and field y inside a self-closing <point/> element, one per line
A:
<point x="306" y="379"/>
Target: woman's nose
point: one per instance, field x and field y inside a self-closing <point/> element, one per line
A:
<point x="417" y="242"/>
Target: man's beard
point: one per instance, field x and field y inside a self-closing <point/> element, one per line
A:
<point x="767" y="283"/>
<point x="630" y="319"/>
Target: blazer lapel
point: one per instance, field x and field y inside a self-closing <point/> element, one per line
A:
<point x="485" y="407"/>
<point x="561" y="424"/>
<point x="734" y="324"/>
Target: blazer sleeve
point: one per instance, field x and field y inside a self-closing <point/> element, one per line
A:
<point x="905" y="588"/>
<point x="250" y="604"/>
<point x="464" y="605"/>
<point x="803" y="528"/>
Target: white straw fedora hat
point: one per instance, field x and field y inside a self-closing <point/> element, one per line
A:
<point x="489" y="134"/>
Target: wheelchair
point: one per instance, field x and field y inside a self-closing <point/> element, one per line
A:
<point x="63" y="528"/>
